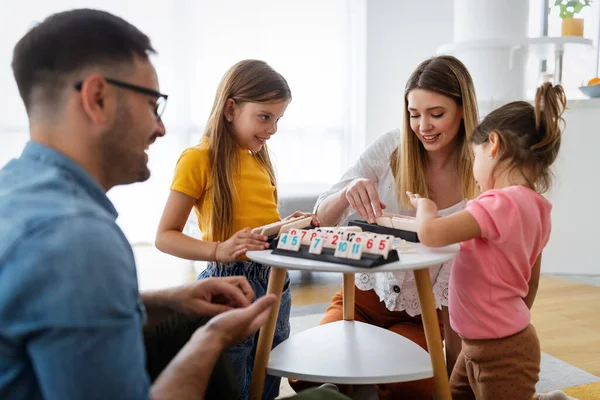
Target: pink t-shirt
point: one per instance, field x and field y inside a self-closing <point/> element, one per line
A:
<point x="490" y="275"/>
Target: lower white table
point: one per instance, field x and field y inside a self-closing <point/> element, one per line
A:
<point x="352" y="352"/>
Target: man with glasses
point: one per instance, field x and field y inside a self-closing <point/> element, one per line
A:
<point x="71" y="316"/>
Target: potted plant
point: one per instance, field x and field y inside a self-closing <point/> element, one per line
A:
<point x="568" y="8"/>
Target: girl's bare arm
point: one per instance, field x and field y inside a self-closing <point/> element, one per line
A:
<point x="170" y="238"/>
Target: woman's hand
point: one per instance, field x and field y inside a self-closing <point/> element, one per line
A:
<point x="362" y="196"/>
<point x="237" y="245"/>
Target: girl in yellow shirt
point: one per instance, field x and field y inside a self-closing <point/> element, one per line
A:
<point x="229" y="181"/>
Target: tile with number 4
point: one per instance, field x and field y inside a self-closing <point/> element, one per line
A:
<point x="283" y="242"/>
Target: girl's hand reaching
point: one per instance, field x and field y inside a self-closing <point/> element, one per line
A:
<point x="314" y="222"/>
<point x="237" y="245"/>
<point x="420" y="202"/>
<point x="436" y="231"/>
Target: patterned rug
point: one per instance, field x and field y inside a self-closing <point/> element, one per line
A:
<point x="555" y="374"/>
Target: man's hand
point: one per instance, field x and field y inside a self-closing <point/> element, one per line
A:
<point x="212" y="296"/>
<point x="188" y="374"/>
<point x="238" y="244"/>
<point x="234" y="326"/>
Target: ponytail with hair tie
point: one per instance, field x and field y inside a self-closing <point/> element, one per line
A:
<point x="550" y="103"/>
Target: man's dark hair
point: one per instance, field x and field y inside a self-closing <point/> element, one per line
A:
<point x="70" y="41"/>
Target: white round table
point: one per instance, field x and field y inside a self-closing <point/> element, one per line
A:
<point x="352" y="352"/>
<point x="423" y="257"/>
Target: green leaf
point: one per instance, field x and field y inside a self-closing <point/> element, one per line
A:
<point x="566" y="14"/>
<point x="568" y="8"/>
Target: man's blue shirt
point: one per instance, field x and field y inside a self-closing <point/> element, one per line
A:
<point x="70" y="315"/>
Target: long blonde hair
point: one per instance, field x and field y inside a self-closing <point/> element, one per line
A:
<point x="448" y="76"/>
<point x="247" y="81"/>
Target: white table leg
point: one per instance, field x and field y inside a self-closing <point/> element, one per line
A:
<point x="348" y="297"/>
<point x="432" y="333"/>
<point x="265" y="337"/>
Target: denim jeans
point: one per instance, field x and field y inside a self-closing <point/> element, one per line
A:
<point x="242" y="355"/>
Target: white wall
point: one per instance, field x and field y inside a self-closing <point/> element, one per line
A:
<point x="399" y="37"/>
<point x="573" y="247"/>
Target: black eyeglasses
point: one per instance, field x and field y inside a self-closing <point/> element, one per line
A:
<point x="161" y="101"/>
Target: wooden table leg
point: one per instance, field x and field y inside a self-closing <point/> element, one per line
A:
<point x="432" y="333"/>
<point x="348" y="309"/>
<point x="265" y="337"/>
<point x="348" y="297"/>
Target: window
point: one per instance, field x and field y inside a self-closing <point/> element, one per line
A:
<point x="309" y="42"/>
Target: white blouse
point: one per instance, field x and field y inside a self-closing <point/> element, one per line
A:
<point x="397" y="289"/>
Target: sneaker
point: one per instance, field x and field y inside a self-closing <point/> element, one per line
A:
<point x="331" y="386"/>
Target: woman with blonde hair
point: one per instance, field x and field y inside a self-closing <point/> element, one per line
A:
<point x="430" y="156"/>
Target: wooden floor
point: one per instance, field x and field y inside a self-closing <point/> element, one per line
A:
<point x="313" y="287"/>
<point x="566" y="315"/>
<point x="567" y="318"/>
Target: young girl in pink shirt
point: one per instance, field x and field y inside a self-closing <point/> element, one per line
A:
<point x="502" y="233"/>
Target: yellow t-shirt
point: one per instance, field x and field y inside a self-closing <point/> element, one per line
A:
<point x="255" y="204"/>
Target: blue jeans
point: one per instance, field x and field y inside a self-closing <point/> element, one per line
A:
<point x="242" y="355"/>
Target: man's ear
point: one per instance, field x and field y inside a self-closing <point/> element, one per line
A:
<point x="98" y="100"/>
<point x="229" y="108"/>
